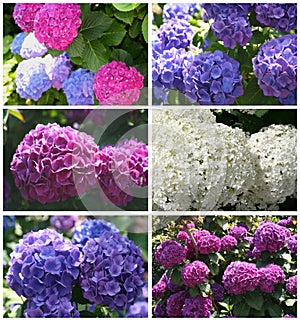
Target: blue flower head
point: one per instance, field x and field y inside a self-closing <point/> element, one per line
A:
<point x="8" y="222"/>
<point x="182" y="11"/>
<point x="17" y="43"/>
<point x="32" y="48"/>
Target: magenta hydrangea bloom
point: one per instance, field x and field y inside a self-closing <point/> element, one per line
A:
<point x="175" y="304"/>
<point x="291" y="285"/>
<point x="63" y="223"/>
<point x="160" y="288"/>
<point x="170" y="253"/>
<point x="194" y="273"/>
<point x="239" y="232"/>
<point x="57" y="25"/>
<point x="116" y="84"/>
<point x="53" y="163"/>
<point x="228" y="242"/>
<point x="269" y="276"/>
<point x="292" y="244"/>
<point x="240" y="277"/>
<point x="197" y="235"/>
<point x="208" y="244"/>
<point x="197" y="307"/>
<point x="24" y="15"/>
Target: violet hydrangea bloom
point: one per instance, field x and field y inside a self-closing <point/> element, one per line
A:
<point x="160" y="288"/>
<point x="228" y="242"/>
<point x="57" y="25"/>
<point x="32" y="48"/>
<point x="17" y="43"/>
<point x="275" y="67"/>
<point x="8" y="222"/>
<point x="269" y="276"/>
<point x="240" y="277"/>
<point x="208" y="244"/>
<point x="182" y="11"/>
<point x="63" y="223"/>
<point x="238" y="232"/>
<point x="175" y="304"/>
<point x="53" y="163"/>
<point x="194" y="273"/>
<point x="112" y="271"/>
<point x="160" y="310"/>
<point x="138" y="310"/>
<point x="292" y="244"/>
<point x="169" y="253"/>
<point x="78" y="88"/>
<point x="197" y="307"/>
<point x="24" y="15"/>
<point x="116" y="84"/>
<point x="291" y="285"/>
<point x="217" y="292"/>
<point x="31" y="79"/>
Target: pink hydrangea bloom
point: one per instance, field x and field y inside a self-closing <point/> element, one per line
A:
<point x="227" y="242"/>
<point x="170" y="253"/>
<point x="24" y="14"/>
<point x="239" y="232"/>
<point x="291" y="285"/>
<point x="116" y="84"/>
<point x="197" y="307"/>
<point x="160" y="288"/>
<point x="269" y="276"/>
<point x="57" y="25"/>
<point x="197" y="235"/>
<point x="194" y="273"/>
<point x="208" y="244"/>
<point x="175" y="304"/>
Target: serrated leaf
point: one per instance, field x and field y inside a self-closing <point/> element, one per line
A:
<point x="135" y="29"/>
<point x="126" y="17"/>
<point x="125" y="6"/>
<point x="114" y="35"/>
<point x="255" y="300"/>
<point x="75" y="49"/>
<point x="145" y="28"/>
<point x="122" y="55"/>
<point x="17" y="114"/>
<point x="77" y="60"/>
<point x="85" y="9"/>
<point x="95" y="55"/>
<point x="95" y="24"/>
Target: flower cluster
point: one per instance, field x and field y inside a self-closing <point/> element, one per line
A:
<point x="8" y="222"/>
<point x="53" y="163"/>
<point x="112" y="271"/>
<point x="194" y="273"/>
<point x="17" y="43"/>
<point x="190" y="244"/>
<point x="238" y="232"/>
<point x="170" y="253"/>
<point x="175" y="304"/>
<point x="269" y="276"/>
<point x="275" y="67"/>
<point x="182" y="11"/>
<point x="63" y="223"/>
<point x="197" y="307"/>
<point x="116" y="84"/>
<point x="292" y="244"/>
<point x="208" y="244"/>
<point x="43" y="269"/>
<point x="291" y="285"/>
<point x="160" y="288"/>
<point x="32" y="48"/>
<point x="228" y="242"/>
<point x="24" y="15"/>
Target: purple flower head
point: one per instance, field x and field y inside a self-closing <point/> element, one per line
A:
<point x="212" y="78"/>
<point x="63" y="223"/>
<point x="17" y="43"/>
<point x="8" y="222"/>
<point x="160" y="288"/>
<point x="6" y="193"/>
<point x="138" y="310"/>
<point x="240" y="277"/>
<point x="182" y="235"/>
<point x="112" y="271"/>
<point x="269" y="276"/>
<point x="175" y="304"/>
<point x="291" y="285"/>
<point x="292" y="244"/>
<point x="32" y="48"/>
<point x="217" y="292"/>
<point x="24" y="15"/>
<point x="197" y="235"/>
<point x="270" y="236"/>
<point x="58" y="69"/>
<point x="53" y="163"/>
<point x="116" y="84"/>
<point x="197" y="307"/>
<point x="160" y="310"/>
<point x="282" y="17"/>
<point x="97" y="116"/>
<point x="238" y="232"/>
<point x="228" y="242"/>
<point x="286" y="222"/>
<point x="170" y="253"/>
<point x="78" y="88"/>
<point x="275" y="67"/>
<point x="183" y="11"/>
<point x="194" y="273"/>
<point x="57" y="25"/>
<point x="208" y="244"/>
<point x="31" y="79"/>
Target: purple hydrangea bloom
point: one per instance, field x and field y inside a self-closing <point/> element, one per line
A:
<point x="182" y="11"/>
<point x="8" y="222"/>
<point x="228" y="242"/>
<point x="170" y="253"/>
<point x="91" y="229"/>
<point x="32" y="48"/>
<point x="138" y="310"/>
<point x="291" y="285"/>
<point x="269" y="276"/>
<point x="217" y="292"/>
<point x="78" y="88"/>
<point x="31" y="79"/>
<point x="24" y="15"/>
<point x="292" y="244"/>
<point x="112" y="271"/>
<point x="160" y="288"/>
<point x="275" y="67"/>
<point x="282" y="17"/>
<point x="58" y="69"/>
<point x="240" y="277"/>
<point x="63" y="223"/>
<point x="212" y="78"/>
<point x="175" y="304"/>
<point x="270" y="236"/>
<point x="17" y="43"/>
<point x="194" y="273"/>
<point x="160" y="310"/>
<point x="197" y="307"/>
<point x="197" y="235"/>
<point x="53" y="163"/>
<point x="6" y="193"/>
<point x="238" y="232"/>
<point x="208" y="244"/>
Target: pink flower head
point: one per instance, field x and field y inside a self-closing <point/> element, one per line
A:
<point x="227" y="242"/>
<point x="160" y="288"/>
<point x="57" y="25"/>
<point x="24" y="14"/>
<point x="175" y="304"/>
<point x="194" y="273"/>
<point x="116" y="84"/>
<point x="197" y="307"/>
<point x="170" y="253"/>
<point x="197" y="235"/>
<point x="238" y="231"/>
<point x="269" y="276"/>
<point x="291" y="285"/>
<point x="208" y="244"/>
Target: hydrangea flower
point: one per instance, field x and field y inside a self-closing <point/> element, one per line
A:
<point x="282" y="17"/>
<point x="275" y="67"/>
<point x="292" y="244"/>
<point x="217" y="292"/>
<point x="182" y="11"/>
<point x="208" y="244"/>
<point x="194" y="273"/>
<point x="291" y="285"/>
<point x="238" y="232"/>
<point x="8" y="222"/>
<point x="53" y="163"/>
<point x="169" y="253"/>
<point x="269" y="276"/>
<point x="286" y="222"/>
<point x="112" y="271"/>
<point x="57" y="25"/>
<point x="175" y="304"/>
<point x="213" y="78"/>
<point x="240" y="277"/>
<point x="24" y="15"/>
<point x="160" y="310"/>
<point x="78" y="88"/>
<point x="17" y="43"/>
<point x="197" y="235"/>
<point x="116" y="84"/>
<point x="63" y="223"/>
<point x="31" y="79"/>
<point x="58" y="69"/>
<point x="197" y="307"/>
<point x="228" y="242"/>
<point x="32" y="48"/>
<point x="90" y="229"/>
<point x="160" y="288"/>
<point x="138" y="310"/>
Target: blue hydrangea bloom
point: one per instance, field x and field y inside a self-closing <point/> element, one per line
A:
<point x="91" y="229"/>
<point x="8" y="222"/>
<point x="138" y="310"/>
<point x="32" y="48"/>
<point x="213" y="79"/>
<point x="180" y="10"/>
<point x="78" y="87"/>
<point x="17" y="43"/>
<point x="31" y="79"/>
<point x="275" y="67"/>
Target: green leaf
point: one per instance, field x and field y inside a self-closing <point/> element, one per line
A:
<point x="125" y="6"/>
<point x="135" y="29"/>
<point x="7" y="40"/>
<point x="255" y="300"/>
<point x="77" y="60"/>
<point x="86" y="314"/>
<point x="85" y="9"/>
<point x="241" y="310"/>
<point x="122" y="55"/>
<point x="114" y="35"/>
<point x="214" y="269"/>
<point x="257" y="37"/>
<point x="77" y="295"/>
<point x="95" y="24"/>
<point x="75" y="49"/>
<point x="290" y="302"/>
<point x="17" y="114"/>
<point x="261" y="112"/>
<point x="142" y="11"/>
<point x="176" y="276"/>
<point x="274" y="310"/>
<point x="126" y="17"/>
<point x="194" y="291"/>
<point x="95" y="55"/>
<point x="141" y="240"/>
<point x="54" y="53"/>
<point x="145" y="28"/>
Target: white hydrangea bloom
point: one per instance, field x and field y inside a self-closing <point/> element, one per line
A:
<point x="32" y="48"/>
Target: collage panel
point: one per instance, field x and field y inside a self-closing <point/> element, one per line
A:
<point x="75" y="266"/>
<point x="83" y="159"/>
<point x="224" y="266"/>
<point x="75" y="54"/>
